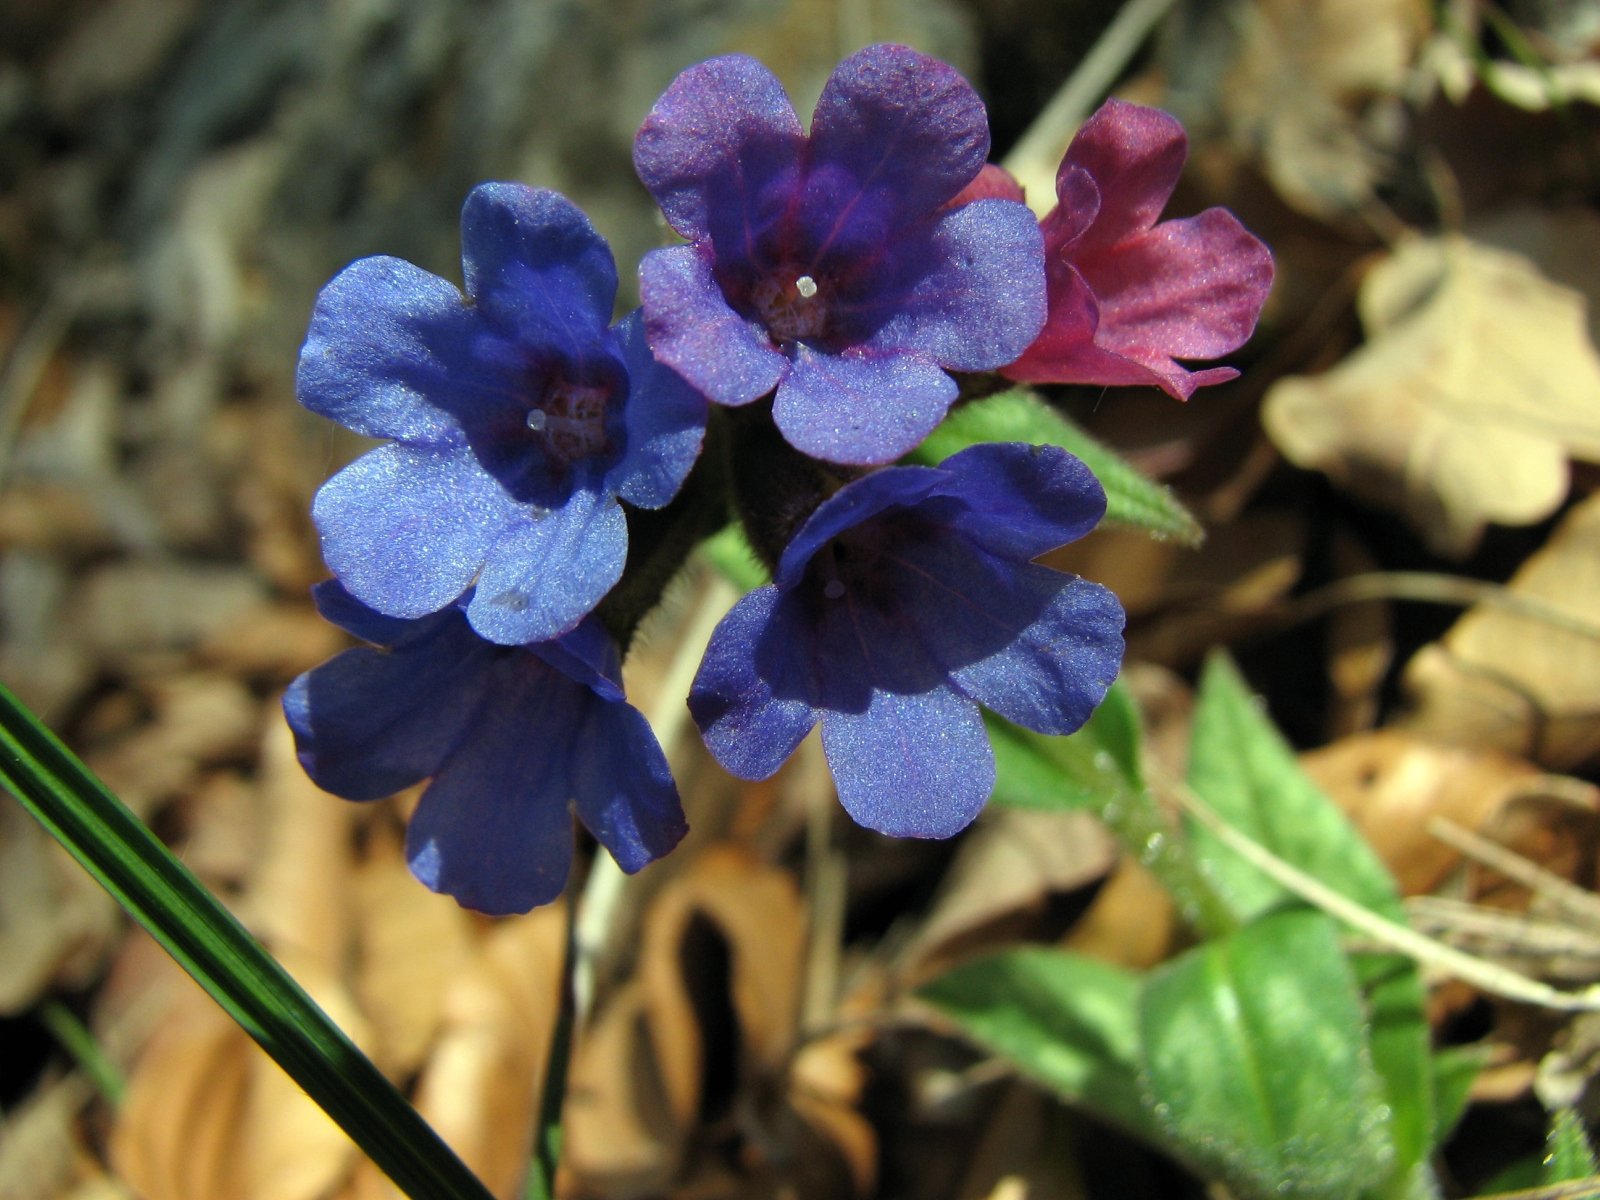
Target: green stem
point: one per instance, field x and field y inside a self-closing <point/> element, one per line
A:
<point x="161" y="894"/>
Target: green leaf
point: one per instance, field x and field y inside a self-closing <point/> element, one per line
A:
<point x="730" y="553"/>
<point x="1567" y="1153"/>
<point x="1255" y="1056"/>
<point x="1059" y="1018"/>
<point x="1240" y="765"/>
<point x="1454" y="1070"/>
<point x="1082" y="770"/>
<point x="159" y="892"/>
<point x="1020" y="416"/>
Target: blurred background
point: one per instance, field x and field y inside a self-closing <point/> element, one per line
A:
<point x="1413" y="434"/>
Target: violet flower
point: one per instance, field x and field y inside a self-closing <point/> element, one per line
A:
<point x="518" y="419"/>
<point x="1129" y="296"/>
<point x="828" y="267"/>
<point x="905" y="601"/>
<point x="514" y="737"/>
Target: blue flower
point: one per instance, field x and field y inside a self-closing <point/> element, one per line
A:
<point x="514" y="738"/>
<point x="517" y="415"/>
<point x="906" y="601"/>
<point x="833" y="268"/>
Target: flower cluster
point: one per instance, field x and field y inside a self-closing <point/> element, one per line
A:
<point x="546" y="470"/>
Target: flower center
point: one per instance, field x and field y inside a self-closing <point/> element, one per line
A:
<point x="569" y="420"/>
<point x="790" y="305"/>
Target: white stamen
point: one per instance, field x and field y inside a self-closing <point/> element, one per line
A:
<point x="537" y="419"/>
<point x="833" y="589"/>
<point x="806" y="286"/>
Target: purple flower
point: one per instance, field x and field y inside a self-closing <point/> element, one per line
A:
<point x="827" y="266"/>
<point x="1129" y="296"/>
<point x="517" y="416"/>
<point x="514" y="738"/>
<point x="905" y="601"/>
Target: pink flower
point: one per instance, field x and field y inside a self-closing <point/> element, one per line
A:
<point x="1128" y="297"/>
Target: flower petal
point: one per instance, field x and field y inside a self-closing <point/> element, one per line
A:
<point x="1191" y="288"/>
<point x="369" y="722"/>
<point x="405" y="528"/>
<point x="719" y="152"/>
<point x="548" y="569"/>
<point x="1135" y="155"/>
<point x="494" y="830"/>
<point x="861" y="408"/>
<point x="622" y="786"/>
<point x="1022" y="501"/>
<point x="750" y="696"/>
<point x="692" y="330"/>
<point x="1049" y="676"/>
<point x="387" y="352"/>
<point x="968" y="290"/>
<point x="911" y="766"/>
<point x="854" y="503"/>
<point x="665" y="424"/>
<point x="537" y="269"/>
<point x="907" y="129"/>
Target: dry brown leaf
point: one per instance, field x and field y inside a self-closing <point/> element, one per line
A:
<point x="56" y="923"/>
<point x="1525" y="680"/>
<point x="1004" y="877"/>
<point x="1477" y="382"/>
<point x="1393" y="783"/>
<point x="1299" y="75"/>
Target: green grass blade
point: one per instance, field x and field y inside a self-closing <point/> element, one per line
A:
<point x="205" y="939"/>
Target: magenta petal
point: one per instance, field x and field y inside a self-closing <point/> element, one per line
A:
<point x="717" y="148"/>
<point x="1186" y="289"/>
<point x="405" y="528"/>
<point x="902" y="125"/>
<point x="1134" y="155"/>
<point x="911" y="765"/>
<point x="691" y="329"/>
<point x="862" y="409"/>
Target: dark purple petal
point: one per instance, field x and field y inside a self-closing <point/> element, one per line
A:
<point x="406" y="528"/>
<point x="370" y="722"/>
<point x="1021" y="501"/>
<point x="692" y="330"/>
<point x="536" y="268"/>
<point x="1050" y="676"/>
<point x="587" y="655"/>
<point x="854" y="503"/>
<point x="494" y="829"/>
<point x="622" y="787"/>
<point x="911" y="766"/>
<point x="548" y="569"/>
<point x="719" y="152"/>
<point x="1191" y="288"/>
<point x="665" y="424"/>
<point x="861" y="408"/>
<point x="338" y="607"/>
<point x="387" y="352"/>
<point x="906" y="128"/>
<point x="973" y="295"/>
<point x="1135" y="155"/>
<point x="749" y="697"/>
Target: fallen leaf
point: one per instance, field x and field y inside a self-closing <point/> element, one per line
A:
<point x="1523" y="675"/>
<point x="1477" y="381"/>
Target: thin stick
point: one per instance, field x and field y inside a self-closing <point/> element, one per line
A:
<point x="1033" y="159"/>
<point x="1567" y="896"/>
<point x="1481" y="974"/>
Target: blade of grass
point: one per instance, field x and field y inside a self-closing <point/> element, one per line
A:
<point x="191" y="925"/>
